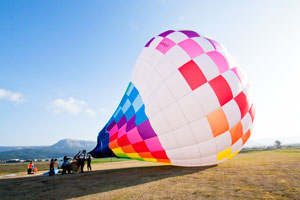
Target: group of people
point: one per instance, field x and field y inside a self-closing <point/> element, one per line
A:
<point x="82" y="160"/>
<point x="66" y="165"/>
<point x="81" y="157"/>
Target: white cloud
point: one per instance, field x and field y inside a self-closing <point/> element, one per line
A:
<point x="103" y="110"/>
<point x="90" y="112"/>
<point x="71" y="106"/>
<point x="11" y="96"/>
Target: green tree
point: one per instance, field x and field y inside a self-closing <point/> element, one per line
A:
<point x="277" y="144"/>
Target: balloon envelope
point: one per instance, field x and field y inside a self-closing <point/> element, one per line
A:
<point x="187" y="104"/>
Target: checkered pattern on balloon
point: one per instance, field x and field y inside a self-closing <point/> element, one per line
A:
<point x="188" y="104"/>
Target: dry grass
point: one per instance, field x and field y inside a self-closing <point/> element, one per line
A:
<point x="257" y="175"/>
<point x="21" y="167"/>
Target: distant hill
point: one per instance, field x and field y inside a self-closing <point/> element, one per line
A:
<point x="65" y="147"/>
<point x="69" y="144"/>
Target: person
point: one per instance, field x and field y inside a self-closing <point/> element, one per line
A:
<point x="89" y="160"/>
<point x="66" y="166"/>
<point x="30" y="169"/>
<point x="81" y="160"/>
<point x="51" y="172"/>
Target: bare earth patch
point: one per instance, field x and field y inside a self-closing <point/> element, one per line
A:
<point x="257" y="175"/>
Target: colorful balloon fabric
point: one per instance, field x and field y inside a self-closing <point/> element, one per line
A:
<point x="188" y="104"/>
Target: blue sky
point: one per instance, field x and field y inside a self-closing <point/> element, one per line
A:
<point x="64" y="65"/>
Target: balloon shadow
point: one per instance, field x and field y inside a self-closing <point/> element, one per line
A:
<point x="77" y="185"/>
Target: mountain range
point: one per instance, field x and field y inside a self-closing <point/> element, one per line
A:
<point x="70" y="147"/>
<point x="65" y="147"/>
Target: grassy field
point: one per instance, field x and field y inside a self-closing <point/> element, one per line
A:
<point x="253" y="175"/>
<point x="105" y="160"/>
<point x="22" y="167"/>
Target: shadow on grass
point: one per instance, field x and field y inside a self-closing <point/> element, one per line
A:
<point x="77" y="185"/>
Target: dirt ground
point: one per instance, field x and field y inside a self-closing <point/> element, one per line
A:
<point x="256" y="175"/>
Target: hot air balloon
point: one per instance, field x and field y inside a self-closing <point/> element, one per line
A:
<point x="188" y="104"/>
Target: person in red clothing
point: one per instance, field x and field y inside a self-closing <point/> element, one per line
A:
<point x="51" y="172"/>
<point x="30" y="169"/>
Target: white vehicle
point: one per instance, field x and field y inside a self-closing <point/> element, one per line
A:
<point x="60" y="162"/>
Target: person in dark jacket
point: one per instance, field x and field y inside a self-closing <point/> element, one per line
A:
<point x="51" y="172"/>
<point x="81" y="161"/>
<point x="89" y="166"/>
<point x="66" y="166"/>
